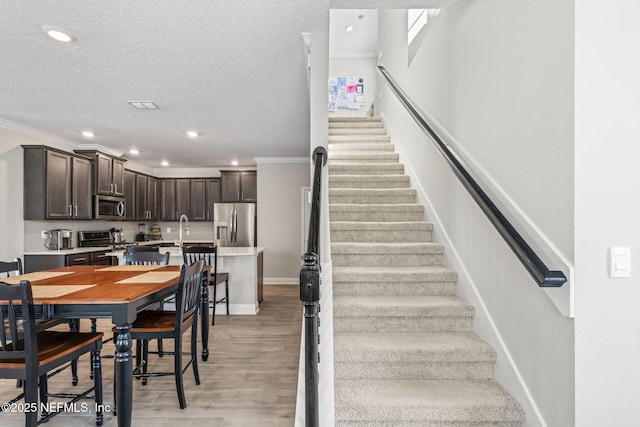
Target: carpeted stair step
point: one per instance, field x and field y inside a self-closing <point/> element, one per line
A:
<point x="416" y="402"/>
<point x="411" y="280"/>
<point x="356" y="124"/>
<point x="372" y="196"/>
<point x="427" y="355"/>
<point x="347" y="119"/>
<point x="356" y="147"/>
<point x="401" y="314"/>
<point x="386" y="253"/>
<point x="366" y="169"/>
<point x="374" y="139"/>
<point x="364" y="157"/>
<point x="358" y="231"/>
<point x="376" y="212"/>
<point x="357" y="131"/>
<point x="369" y="181"/>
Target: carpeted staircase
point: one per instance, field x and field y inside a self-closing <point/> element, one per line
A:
<point x="404" y="351"/>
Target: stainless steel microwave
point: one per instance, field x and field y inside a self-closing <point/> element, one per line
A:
<point x="109" y="207"/>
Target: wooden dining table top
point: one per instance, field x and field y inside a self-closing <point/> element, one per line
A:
<point x="83" y="284"/>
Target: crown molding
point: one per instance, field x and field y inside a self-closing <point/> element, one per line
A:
<point x="34" y="133"/>
<point x="52" y="139"/>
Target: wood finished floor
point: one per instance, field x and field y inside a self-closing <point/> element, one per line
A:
<point x="250" y="378"/>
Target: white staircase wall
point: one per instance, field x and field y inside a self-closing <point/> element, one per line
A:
<point x="507" y="101"/>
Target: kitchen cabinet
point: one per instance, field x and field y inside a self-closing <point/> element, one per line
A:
<point x="145" y="197"/>
<point x="183" y="196"/>
<point x="213" y="196"/>
<point x="238" y="186"/>
<point x="41" y="262"/>
<point x="108" y="173"/>
<point x="129" y="192"/>
<point x="57" y="184"/>
<point x="198" y="206"/>
<point x="168" y="200"/>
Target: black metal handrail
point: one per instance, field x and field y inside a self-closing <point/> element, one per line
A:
<point x="531" y="261"/>
<point x="310" y="295"/>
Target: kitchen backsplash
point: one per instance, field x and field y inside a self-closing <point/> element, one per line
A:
<point x="33" y="240"/>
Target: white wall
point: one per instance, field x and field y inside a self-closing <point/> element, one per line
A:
<point x="607" y="207"/>
<point x="279" y="217"/>
<point x="11" y="182"/>
<point x="498" y="77"/>
<point x="356" y="67"/>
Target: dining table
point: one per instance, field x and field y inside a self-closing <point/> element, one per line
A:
<point x="117" y="292"/>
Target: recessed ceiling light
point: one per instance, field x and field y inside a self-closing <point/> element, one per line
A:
<point x="87" y="134"/>
<point x="234" y="163"/>
<point x="143" y="105"/>
<point x="164" y="163"/>
<point x="349" y="28"/>
<point x="134" y="151"/>
<point x="58" y="33"/>
<point x="192" y="134"/>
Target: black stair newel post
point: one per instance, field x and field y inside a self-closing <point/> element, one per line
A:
<point x="310" y="295"/>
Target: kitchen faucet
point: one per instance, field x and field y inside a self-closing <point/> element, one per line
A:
<point x="186" y="220"/>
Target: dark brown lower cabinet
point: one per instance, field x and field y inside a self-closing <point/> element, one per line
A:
<point x="45" y="262"/>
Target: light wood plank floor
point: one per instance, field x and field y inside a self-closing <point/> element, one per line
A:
<point x="250" y="378"/>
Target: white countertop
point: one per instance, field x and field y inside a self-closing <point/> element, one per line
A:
<point x="68" y="251"/>
<point x="223" y="251"/>
<point x="174" y="250"/>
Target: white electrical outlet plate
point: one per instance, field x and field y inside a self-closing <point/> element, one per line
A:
<point x="168" y="229"/>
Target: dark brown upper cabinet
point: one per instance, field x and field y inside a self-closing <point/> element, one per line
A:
<point x="57" y="184"/>
<point x="238" y="186"/>
<point x="108" y="173"/>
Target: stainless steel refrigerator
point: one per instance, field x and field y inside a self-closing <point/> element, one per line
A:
<point x="235" y="224"/>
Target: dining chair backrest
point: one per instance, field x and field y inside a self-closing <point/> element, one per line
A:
<point x="146" y="258"/>
<point x="132" y="249"/>
<point x="18" y="336"/>
<point x="11" y="268"/>
<point x="207" y="253"/>
<point x="188" y="294"/>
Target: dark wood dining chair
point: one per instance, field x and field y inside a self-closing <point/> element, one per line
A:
<point x="146" y="258"/>
<point x="161" y="324"/>
<point x="143" y="248"/>
<point x="210" y="256"/>
<point x="14" y="268"/>
<point x="29" y="355"/>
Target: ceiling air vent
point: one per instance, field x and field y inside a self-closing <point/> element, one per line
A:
<point x="143" y="105"/>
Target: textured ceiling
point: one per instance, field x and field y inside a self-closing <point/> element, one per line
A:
<point x="232" y="71"/>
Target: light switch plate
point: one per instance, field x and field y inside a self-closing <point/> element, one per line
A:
<point x="619" y="262"/>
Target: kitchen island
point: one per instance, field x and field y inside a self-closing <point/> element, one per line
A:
<point x="244" y="265"/>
